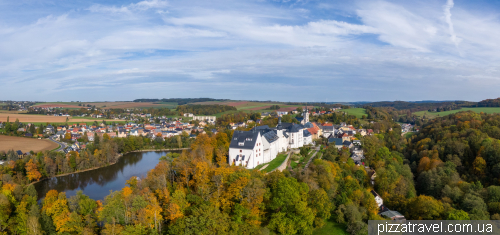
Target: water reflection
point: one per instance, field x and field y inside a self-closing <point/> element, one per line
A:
<point x="97" y="183"/>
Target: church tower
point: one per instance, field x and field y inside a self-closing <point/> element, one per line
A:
<point x="305" y="115"/>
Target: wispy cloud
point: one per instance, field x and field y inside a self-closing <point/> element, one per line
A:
<point x="367" y="50"/>
<point x="447" y="14"/>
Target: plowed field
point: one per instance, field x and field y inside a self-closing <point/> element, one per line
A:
<point x="25" y="144"/>
<point x="41" y="118"/>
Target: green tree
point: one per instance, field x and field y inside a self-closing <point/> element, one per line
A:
<point x="288" y="201"/>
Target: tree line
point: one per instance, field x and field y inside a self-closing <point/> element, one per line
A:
<point x="200" y="109"/>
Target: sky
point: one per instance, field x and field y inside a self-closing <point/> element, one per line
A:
<point x="288" y="50"/>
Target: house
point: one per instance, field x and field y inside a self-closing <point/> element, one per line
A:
<point x="134" y="132"/>
<point x="210" y="119"/>
<point x="378" y="199"/>
<point x="347" y="144"/>
<point x="28" y="135"/>
<point x="337" y="142"/>
<point x="19" y="154"/>
<point x="49" y="129"/>
<point x="246" y="149"/>
<point x="122" y="134"/>
<point x="188" y="115"/>
<point x="327" y="129"/>
<point x="393" y="215"/>
<point x="90" y="136"/>
<point x="281" y="113"/>
<point x="315" y="131"/>
<point x="265" y="114"/>
<point x="357" y="158"/>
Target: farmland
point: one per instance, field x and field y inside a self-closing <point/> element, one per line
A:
<point x="433" y="115"/>
<point x="25" y="144"/>
<point x="33" y="118"/>
<point x="358" y="112"/>
<point x="108" y="105"/>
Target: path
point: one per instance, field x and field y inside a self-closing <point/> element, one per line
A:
<point x="310" y="159"/>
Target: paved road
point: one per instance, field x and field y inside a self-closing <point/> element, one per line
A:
<point x="61" y="144"/>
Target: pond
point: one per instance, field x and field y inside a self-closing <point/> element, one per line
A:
<point x="97" y="183"/>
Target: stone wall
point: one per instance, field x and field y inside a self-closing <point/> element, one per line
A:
<point x="283" y="165"/>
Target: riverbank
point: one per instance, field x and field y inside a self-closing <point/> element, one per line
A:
<point x="117" y="159"/>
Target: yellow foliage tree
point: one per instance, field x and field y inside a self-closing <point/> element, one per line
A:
<point x="32" y="171"/>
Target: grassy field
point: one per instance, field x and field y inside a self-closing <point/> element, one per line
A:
<point x="275" y="163"/>
<point x="432" y="115"/>
<point x="408" y="134"/>
<point x="331" y="228"/>
<point x="25" y="144"/>
<point x="358" y="112"/>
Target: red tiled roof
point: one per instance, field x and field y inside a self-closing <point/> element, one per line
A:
<point x="327" y="124"/>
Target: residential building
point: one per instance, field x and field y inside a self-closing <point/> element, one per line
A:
<point x="210" y="119"/>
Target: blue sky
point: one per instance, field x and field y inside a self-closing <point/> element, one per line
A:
<point x="294" y="50"/>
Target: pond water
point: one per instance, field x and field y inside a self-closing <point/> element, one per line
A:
<point x="97" y="183"/>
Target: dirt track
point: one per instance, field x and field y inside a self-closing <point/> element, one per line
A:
<point x="25" y="144"/>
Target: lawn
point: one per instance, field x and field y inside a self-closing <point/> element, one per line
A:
<point x="358" y="112"/>
<point x="432" y="115"/>
<point x="331" y="228"/>
<point x="408" y="134"/>
<point x="275" y="163"/>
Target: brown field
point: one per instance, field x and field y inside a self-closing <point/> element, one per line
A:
<point x="42" y="118"/>
<point x="25" y="144"/>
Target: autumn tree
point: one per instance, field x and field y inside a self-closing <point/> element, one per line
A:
<point x="32" y="171"/>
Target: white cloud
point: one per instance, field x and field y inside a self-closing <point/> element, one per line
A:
<point x="447" y="13"/>
<point x="254" y="48"/>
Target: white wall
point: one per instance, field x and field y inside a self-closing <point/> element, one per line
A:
<point x="254" y="156"/>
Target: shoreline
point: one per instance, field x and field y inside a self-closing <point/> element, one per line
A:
<point x="119" y="156"/>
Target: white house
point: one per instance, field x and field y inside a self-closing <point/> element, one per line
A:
<point x="246" y="149"/>
<point x="378" y="199"/>
<point x="134" y="132"/>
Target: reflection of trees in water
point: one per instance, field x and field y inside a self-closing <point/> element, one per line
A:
<point x="82" y="180"/>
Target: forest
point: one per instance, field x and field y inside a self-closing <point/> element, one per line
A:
<point x="449" y="170"/>
<point x="199" y="109"/>
<point x="198" y="193"/>
<point x="179" y="101"/>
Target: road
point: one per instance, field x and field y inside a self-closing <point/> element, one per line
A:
<point x="61" y="144"/>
